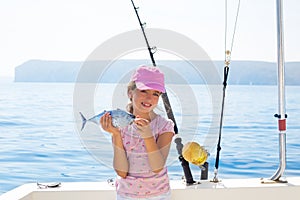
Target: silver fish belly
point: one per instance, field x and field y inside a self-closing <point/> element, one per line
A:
<point x="120" y="118"/>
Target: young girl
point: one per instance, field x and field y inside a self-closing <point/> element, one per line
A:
<point x="141" y="149"/>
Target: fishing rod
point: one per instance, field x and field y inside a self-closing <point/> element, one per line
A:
<point x="225" y="73"/>
<point x="150" y="50"/>
<point x="168" y="108"/>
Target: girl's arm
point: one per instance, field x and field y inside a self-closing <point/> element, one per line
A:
<point x="120" y="161"/>
<point x="158" y="151"/>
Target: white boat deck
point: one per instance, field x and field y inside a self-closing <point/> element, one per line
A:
<point x="233" y="189"/>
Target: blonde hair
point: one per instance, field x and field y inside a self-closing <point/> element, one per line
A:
<point x="130" y="87"/>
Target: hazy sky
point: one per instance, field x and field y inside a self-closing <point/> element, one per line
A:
<point x="71" y="29"/>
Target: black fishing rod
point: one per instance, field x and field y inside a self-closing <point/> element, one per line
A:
<point x="225" y="73"/>
<point x="168" y="108"/>
<point x="150" y="50"/>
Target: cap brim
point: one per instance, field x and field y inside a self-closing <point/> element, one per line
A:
<point x="150" y="86"/>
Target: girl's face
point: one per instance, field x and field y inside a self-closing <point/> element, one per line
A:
<point x="144" y="101"/>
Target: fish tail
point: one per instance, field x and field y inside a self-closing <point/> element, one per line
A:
<point x="83" y="121"/>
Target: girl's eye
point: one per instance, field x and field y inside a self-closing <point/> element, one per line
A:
<point x="156" y="94"/>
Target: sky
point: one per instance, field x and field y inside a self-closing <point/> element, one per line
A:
<point x="69" y="30"/>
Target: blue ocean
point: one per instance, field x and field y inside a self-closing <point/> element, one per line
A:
<point x="41" y="142"/>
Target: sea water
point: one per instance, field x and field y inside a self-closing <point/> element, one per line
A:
<point x="40" y="140"/>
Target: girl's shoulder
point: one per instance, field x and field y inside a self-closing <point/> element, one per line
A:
<point x="163" y="124"/>
<point x="159" y="118"/>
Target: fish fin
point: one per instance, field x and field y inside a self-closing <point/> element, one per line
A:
<point x="83" y="121"/>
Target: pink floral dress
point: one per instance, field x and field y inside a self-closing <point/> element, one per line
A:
<point x="141" y="181"/>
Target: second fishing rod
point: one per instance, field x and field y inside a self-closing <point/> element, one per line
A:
<point x="167" y="105"/>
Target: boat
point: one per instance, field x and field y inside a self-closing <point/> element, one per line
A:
<point x="276" y="187"/>
<point x="234" y="189"/>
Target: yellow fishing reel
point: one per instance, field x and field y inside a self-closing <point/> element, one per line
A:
<point x="194" y="153"/>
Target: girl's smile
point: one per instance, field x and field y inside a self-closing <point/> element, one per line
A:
<point x="148" y="105"/>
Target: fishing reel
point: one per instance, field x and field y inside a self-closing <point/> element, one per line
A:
<point x="194" y="153"/>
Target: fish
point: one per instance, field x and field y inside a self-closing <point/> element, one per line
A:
<point x="120" y="118"/>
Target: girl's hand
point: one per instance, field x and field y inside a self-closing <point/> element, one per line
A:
<point x="106" y="124"/>
<point x="143" y="127"/>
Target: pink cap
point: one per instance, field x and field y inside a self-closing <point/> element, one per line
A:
<point x="149" y="78"/>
